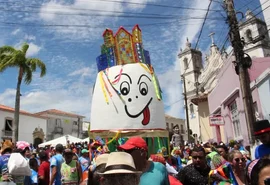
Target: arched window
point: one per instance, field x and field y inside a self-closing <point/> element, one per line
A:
<point x="185" y="63"/>
<point x="249" y="35"/>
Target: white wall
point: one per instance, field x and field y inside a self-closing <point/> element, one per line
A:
<point x="266" y="12"/>
<point x="264" y="93"/>
<point x="26" y="127"/>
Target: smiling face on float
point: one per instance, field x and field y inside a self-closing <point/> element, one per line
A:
<point x="125" y="98"/>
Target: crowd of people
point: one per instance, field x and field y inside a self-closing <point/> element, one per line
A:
<point x="131" y="164"/>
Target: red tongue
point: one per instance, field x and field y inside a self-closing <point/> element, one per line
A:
<point x="146" y="116"/>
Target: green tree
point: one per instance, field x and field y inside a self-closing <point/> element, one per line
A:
<point x="11" y="57"/>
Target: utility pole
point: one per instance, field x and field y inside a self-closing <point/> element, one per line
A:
<point x="242" y="64"/>
<point x="186" y="106"/>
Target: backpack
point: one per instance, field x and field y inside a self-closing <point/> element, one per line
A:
<point x="18" y="165"/>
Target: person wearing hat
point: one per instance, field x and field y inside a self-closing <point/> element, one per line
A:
<point x="137" y="148"/>
<point x="84" y="160"/>
<point x="262" y="132"/>
<point x="94" y="176"/>
<point x="6" y="152"/>
<point x="120" y="169"/>
<point x="71" y="171"/>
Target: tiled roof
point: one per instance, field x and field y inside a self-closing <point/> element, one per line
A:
<point x="59" y="112"/>
<point x="10" y="109"/>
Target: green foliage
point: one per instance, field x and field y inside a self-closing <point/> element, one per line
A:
<point x="11" y="57"/>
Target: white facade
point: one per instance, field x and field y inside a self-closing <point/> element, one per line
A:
<point x="266" y="11"/>
<point x="263" y="85"/>
<point x="251" y="32"/>
<point x="62" y="123"/>
<point x="190" y="67"/>
<point x="27" y="126"/>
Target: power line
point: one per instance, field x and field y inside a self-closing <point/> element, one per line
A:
<point x="142" y="4"/>
<point x="85" y="26"/>
<point x="86" y="9"/>
<point x="111" y="15"/>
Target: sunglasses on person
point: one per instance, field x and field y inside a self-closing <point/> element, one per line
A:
<point x="238" y="160"/>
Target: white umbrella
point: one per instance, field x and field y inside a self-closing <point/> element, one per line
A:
<point x="61" y="140"/>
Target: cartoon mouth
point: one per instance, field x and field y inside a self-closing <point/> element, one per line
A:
<point x="145" y="112"/>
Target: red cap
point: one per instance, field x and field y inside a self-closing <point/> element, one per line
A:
<point x="134" y="142"/>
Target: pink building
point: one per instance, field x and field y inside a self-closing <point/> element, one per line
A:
<point x="226" y="100"/>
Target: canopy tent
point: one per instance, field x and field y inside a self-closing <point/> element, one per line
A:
<point x="86" y="139"/>
<point x="61" y="140"/>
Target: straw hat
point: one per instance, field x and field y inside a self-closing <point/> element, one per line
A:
<point x="120" y="163"/>
<point x="7" y="144"/>
<point x="102" y="159"/>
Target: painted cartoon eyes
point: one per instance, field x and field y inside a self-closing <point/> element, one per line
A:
<point x="143" y="88"/>
<point x="124" y="88"/>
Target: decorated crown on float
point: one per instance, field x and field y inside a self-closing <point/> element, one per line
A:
<point x="122" y="48"/>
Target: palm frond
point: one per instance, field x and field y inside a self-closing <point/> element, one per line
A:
<point x="27" y="75"/>
<point x="6" y="63"/>
<point x="35" y="62"/>
<point x="7" y="49"/>
<point x="25" y="47"/>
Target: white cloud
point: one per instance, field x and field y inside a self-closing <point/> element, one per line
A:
<point x="84" y="72"/>
<point x="33" y="49"/>
<point x="16" y="31"/>
<point x="51" y="14"/>
<point x="51" y="92"/>
<point x="8" y="97"/>
<point x="29" y="37"/>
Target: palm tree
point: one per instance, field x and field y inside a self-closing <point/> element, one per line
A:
<point x="11" y="57"/>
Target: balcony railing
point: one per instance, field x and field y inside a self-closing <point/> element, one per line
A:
<point x="6" y="134"/>
<point x="58" y="130"/>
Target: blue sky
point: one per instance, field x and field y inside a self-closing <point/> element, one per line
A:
<point x="66" y="35"/>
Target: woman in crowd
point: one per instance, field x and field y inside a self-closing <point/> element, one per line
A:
<point x="258" y="172"/>
<point x="238" y="163"/>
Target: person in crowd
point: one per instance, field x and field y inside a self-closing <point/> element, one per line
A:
<point x="5" y="155"/>
<point x="44" y="169"/>
<point x="137" y="148"/>
<point x="33" y="179"/>
<point x="120" y="169"/>
<point x="262" y="132"/>
<point x="84" y="160"/>
<point x="258" y="172"/>
<point x="197" y="172"/>
<point x="55" y="165"/>
<point x="71" y="171"/>
<point x="94" y="177"/>
<point x="159" y="158"/>
<point x="25" y="150"/>
<point x="223" y="151"/>
<point x="238" y="163"/>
